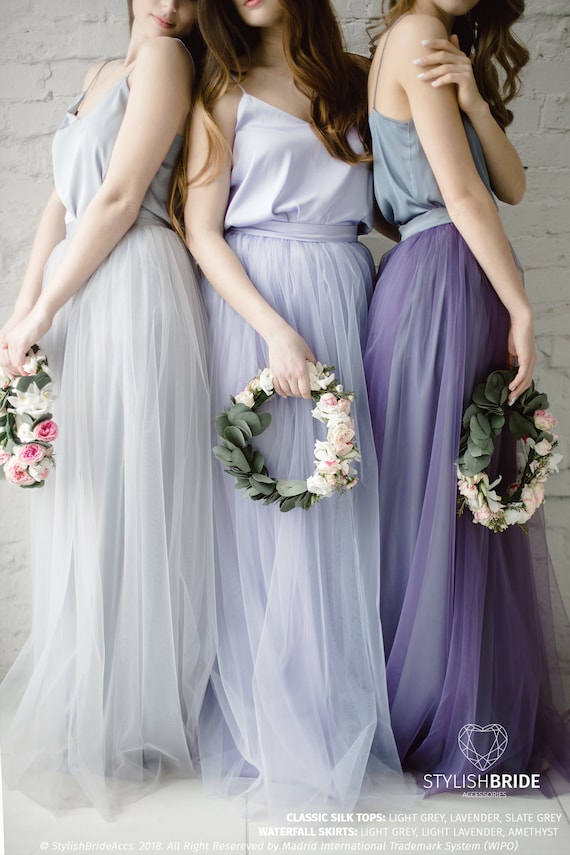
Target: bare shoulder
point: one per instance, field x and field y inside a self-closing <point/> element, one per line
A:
<point x="164" y="54"/>
<point x="406" y="35"/>
<point x="225" y="111"/>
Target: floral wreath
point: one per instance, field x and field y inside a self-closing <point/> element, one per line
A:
<point x="27" y="429"/>
<point x="531" y="423"/>
<point x="333" y="458"/>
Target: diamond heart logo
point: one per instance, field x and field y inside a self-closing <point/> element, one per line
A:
<point x="491" y="736"/>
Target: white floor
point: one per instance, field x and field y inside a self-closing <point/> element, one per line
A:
<point x="178" y="818"/>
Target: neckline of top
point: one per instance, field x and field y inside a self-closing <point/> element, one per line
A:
<point x="72" y="109"/>
<point x="274" y="107"/>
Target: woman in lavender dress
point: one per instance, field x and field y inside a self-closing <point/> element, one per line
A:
<point x="462" y="607"/>
<point x="109" y="687"/>
<point x="297" y="700"/>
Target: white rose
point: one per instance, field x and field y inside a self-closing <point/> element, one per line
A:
<point x="266" y="381"/>
<point x="324" y="451"/>
<point x="318" y="378"/>
<point x="515" y="515"/>
<point x="318" y="484"/>
<point x="245" y="397"/>
<point x="25" y="433"/>
<point x="543" y="447"/>
<point x="340" y="437"/>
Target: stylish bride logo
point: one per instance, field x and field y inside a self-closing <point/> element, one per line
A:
<point x="491" y="736"/>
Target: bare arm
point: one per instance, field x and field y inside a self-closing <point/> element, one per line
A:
<point x="446" y="64"/>
<point x="155" y="112"/>
<point x="51" y="230"/>
<point x="204" y="218"/>
<point x="437" y="119"/>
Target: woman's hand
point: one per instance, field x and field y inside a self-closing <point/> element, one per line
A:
<point x="18" y="339"/>
<point x="288" y="357"/>
<point x="448" y="64"/>
<point x="522" y="352"/>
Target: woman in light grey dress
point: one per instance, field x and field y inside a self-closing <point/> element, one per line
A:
<point x="109" y="687"/>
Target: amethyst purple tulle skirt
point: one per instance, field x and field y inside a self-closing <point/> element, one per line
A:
<point x="467" y="614"/>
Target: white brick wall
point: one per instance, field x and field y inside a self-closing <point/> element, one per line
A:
<point x="45" y="50"/>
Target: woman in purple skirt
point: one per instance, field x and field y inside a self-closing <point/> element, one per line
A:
<point x="462" y="607"/>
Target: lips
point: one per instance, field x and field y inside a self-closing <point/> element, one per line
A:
<point x="168" y="25"/>
<point x="251" y="3"/>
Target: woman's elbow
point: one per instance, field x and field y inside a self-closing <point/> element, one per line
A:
<point x="514" y="193"/>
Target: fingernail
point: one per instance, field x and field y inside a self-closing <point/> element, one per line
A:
<point x="427" y="42"/>
<point x="421" y="76"/>
<point x="418" y="62"/>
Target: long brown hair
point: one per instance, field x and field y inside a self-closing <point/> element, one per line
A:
<point x="178" y="183"/>
<point x="484" y="35"/>
<point x="334" y="81"/>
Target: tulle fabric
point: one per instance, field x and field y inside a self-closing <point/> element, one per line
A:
<point x="297" y="700"/>
<point x="468" y="616"/>
<point x="109" y="687"/>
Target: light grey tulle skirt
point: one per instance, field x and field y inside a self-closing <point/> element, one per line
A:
<point x="104" y="699"/>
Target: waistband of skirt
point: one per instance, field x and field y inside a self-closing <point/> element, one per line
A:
<point x="144" y="218"/>
<point x="311" y="232"/>
<point x="431" y="218"/>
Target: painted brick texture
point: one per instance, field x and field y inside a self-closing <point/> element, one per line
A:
<point x="45" y="52"/>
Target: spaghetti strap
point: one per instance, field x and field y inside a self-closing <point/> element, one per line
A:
<point x="77" y="103"/>
<point x="388" y="34"/>
<point x="96" y="75"/>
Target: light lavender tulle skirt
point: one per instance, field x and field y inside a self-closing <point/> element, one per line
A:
<point x="470" y="617"/>
<point x="297" y="701"/>
<point x="104" y="699"/>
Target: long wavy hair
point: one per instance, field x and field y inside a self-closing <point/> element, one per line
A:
<point x="486" y="36"/>
<point x="333" y="80"/>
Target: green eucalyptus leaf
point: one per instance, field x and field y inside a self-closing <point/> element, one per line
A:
<point x="263" y="479"/>
<point x="265" y="420"/>
<point x="240" y="460"/>
<point x="497" y="422"/>
<point x="304" y="501"/>
<point x="258" y="463"/>
<point x="243" y="426"/>
<point x="476" y="432"/>
<point x="520" y="426"/>
<point x="234" y="434"/>
<point x="222" y="454"/>
<point x="253" y="421"/>
<point x="222" y="423"/>
<point x="471" y="465"/>
<point x="263" y="488"/>
<point x="291" y="488"/>
<point x="288" y="504"/>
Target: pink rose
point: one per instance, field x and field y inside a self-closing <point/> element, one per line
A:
<point x="4" y="456"/>
<point x="340" y="437"/>
<point x="483" y="515"/>
<point x="29" y="452"/>
<point x="17" y="474"/>
<point x="532" y="497"/>
<point x="544" y="420"/>
<point x="46" y="431"/>
<point x="330" y="405"/>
